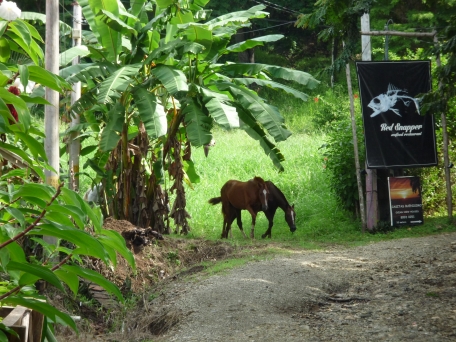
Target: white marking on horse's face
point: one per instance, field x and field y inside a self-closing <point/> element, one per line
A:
<point x="265" y="193"/>
<point x="293" y="217"/>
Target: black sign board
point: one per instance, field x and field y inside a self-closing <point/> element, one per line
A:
<point x="396" y="135"/>
<point x="406" y="207"/>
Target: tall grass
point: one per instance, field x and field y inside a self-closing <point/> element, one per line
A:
<point x="304" y="183"/>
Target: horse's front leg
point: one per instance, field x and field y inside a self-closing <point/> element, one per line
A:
<point x="254" y="214"/>
<point x="270" y="216"/>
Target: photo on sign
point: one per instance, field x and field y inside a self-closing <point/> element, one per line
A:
<point x="405" y="201"/>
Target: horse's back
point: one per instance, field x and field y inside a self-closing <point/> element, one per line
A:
<point x="241" y="194"/>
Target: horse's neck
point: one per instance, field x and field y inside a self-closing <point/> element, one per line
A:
<point x="279" y="197"/>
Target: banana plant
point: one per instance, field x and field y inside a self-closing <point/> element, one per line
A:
<point x="157" y="85"/>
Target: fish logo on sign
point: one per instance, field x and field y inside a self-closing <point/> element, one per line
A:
<point x="385" y="102"/>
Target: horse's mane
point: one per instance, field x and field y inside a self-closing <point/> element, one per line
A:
<point x="277" y="193"/>
<point x="258" y="179"/>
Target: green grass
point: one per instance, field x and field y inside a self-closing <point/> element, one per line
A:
<point x="236" y="156"/>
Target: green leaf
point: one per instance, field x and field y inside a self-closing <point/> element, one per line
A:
<point x="117" y="24"/>
<point x="118" y="82"/>
<point x="273" y="85"/>
<point x="49" y="311"/>
<point x="47" y="79"/>
<point x="114" y="240"/>
<point x="251" y="43"/>
<point x="36" y="148"/>
<point x="87" y="244"/>
<point x="225" y="115"/>
<point x="3" y="337"/>
<point x="173" y="79"/>
<point x="198" y="124"/>
<point x="64" y="29"/>
<point x="257" y="133"/>
<point x="17" y="214"/>
<point x="190" y="171"/>
<point x="151" y="113"/>
<point x="111" y="134"/>
<point x="88" y="150"/>
<point x="67" y="56"/>
<point x="33" y="190"/>
<point x="298" y="76"/>
<point x="109" y="38"/>
<point x="96" y="278"/>
<point x="34" y="272"/>
<point x="238" y="17"/>
<point x="72" y="211"/>
<point x="267" y="115"/>
<point x="68" y="278"/>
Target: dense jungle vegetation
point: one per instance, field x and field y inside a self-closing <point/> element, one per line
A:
<point x="180" y="96"/>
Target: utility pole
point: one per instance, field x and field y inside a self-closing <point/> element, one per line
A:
<point x="74" y="143"/>
<point x="51" y="111"/>
<point x="371" y="174"/>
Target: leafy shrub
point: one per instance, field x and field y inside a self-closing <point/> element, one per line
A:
<point x="338" y="151"/>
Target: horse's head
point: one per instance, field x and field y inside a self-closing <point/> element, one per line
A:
<point x="290" y="217"/>
<point x="263" y="192"/>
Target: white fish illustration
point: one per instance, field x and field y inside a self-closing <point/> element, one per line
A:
<point x="385" y="102"/>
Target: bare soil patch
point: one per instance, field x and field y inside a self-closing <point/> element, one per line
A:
<point x="389" y="291"/>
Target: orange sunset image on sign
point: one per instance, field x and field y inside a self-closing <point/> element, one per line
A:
<point x="402" y="188"/>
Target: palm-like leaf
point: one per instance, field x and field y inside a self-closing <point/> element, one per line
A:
<point x="118" y="82"/>
<point x="198" y="124"/>
<point x="151" y="112"/>
<point x="298" y="76"/>
<point x="67" y="56"/>
<point x="267" y="115"/>
<point x="256" y="132"/>
<point x="251" y="43"/>
<point x="238" y="17"/>
<point x="220" y="109"/>
<point x="111" y="133"/>
<point x="273" y="85"/>
<point x="173" y="79"/>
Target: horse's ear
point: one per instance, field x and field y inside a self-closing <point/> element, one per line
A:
<point x="292" y="206"/>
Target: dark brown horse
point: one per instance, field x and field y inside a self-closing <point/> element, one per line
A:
<point x="276" y="199"/>
<point x="236" y="195"/>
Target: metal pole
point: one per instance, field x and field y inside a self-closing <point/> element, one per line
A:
<point x="371" y="174"/>
<point x="51" y="111"/>
<point x="74" y="142"/>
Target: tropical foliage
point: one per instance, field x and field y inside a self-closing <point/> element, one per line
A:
<point x="31" y="211"/>
<point x="154" y="88"/>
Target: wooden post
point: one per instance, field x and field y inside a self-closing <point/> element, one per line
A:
<point x="51" y="112"/>
<point x="446" y="160"/>
<point x="355" y="147"/>
<point x="371" y="174"/>
<point x="74" y="142"/>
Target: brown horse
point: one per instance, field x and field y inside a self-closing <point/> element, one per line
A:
<point x="251" y="195"/>
<point x="276" y="199"/>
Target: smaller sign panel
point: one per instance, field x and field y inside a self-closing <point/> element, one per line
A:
<point x="406" y="207"/>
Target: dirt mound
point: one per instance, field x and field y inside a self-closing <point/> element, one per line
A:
<point x="158" y="259"/>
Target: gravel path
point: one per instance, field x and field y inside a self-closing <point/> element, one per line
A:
<point x="398" y="290"/>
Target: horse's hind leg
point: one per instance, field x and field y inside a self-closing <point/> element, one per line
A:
<point x="239" y="221"/>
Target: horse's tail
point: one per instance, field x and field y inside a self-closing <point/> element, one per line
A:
<point x="215" y="200"/>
